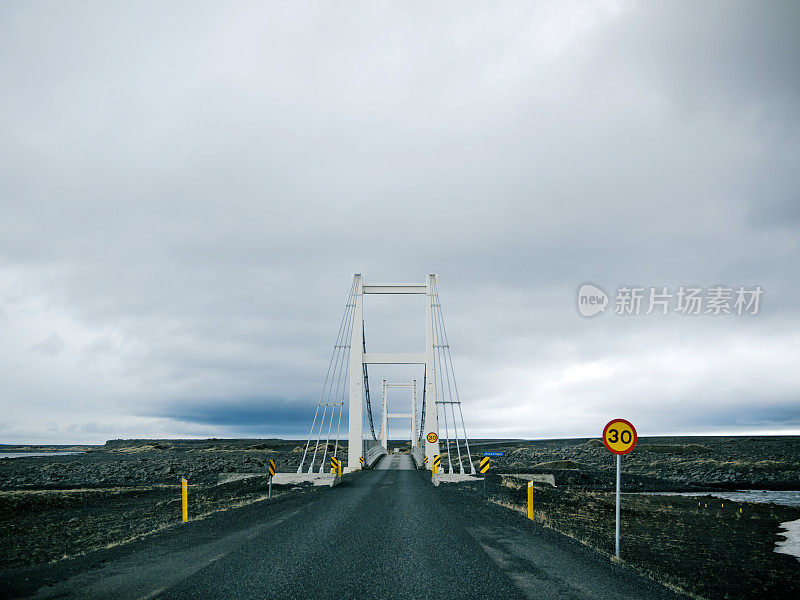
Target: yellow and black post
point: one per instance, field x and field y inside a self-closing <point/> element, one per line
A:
<point x="530" y="500"/>
<point x="437" y="461"/>
<point x="184" y="499"/>
<point x="361" y="460"/>
<point x="484" y="468"/>
<point x="271" y="470"/>
<point x="336" y="466"/>
<point x="425" y="461"/>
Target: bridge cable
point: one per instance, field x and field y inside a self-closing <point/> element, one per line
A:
<point x="338" y="428"/>
<point x="422" y="416"/>
<point x="327" y="375"/>
<point x="445" y="351"/>
<point x="455" y="385"/>
<point x="444" y="412"/>
<point x="452" y="404"/>
<point x="366" y="383"/>
<point x="437" y="369"/>
<point x="450" y="370"/>
<point x="333" y="393"/>
<point x="333" y="365"/>
<point x="326" y="400"/>
<point x="299" y="469"/>
<point x="341" y="395"/>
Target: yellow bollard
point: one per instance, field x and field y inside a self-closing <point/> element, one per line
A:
<point x="185" y="499"/>
<point x="530" y="500"/>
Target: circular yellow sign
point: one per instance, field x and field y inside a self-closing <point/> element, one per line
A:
<point x="619" y="436"/>
<point x="432" y="437"/>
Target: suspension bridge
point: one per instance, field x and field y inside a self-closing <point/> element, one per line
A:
<point x="385" y="533"/>
<point x="347" y="383"/>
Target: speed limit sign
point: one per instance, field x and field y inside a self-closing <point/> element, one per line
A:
<point x="619" y="436"/>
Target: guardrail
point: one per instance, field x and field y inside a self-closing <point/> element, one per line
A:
<point x="373" y="454"/>
<point x="416" y="455"/>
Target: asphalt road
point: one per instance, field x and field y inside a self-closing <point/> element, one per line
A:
<point x="381" y="534"/>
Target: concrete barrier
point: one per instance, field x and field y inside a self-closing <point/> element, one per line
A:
<point x="536" y="477"/>
<point x="318" y="479"/>
<point x="454" y="478"/>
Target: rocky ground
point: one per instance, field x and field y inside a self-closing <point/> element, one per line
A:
<point x="147" y="462"/>
<point x="54" y="507"/>
<point x="656" y="464"/>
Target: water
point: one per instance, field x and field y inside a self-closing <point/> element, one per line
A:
<point x="791" y="545"/>
<point x="28" y="454"/>
<point x="784" y="498"/>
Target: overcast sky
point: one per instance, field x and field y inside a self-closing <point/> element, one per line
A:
<point x="186" y="190"/>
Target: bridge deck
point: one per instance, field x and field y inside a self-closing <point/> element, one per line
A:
<point x="395" y="462"/>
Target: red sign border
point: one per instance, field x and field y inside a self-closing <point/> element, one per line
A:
<point x="635" y="436"/>
<point x="430" y="433"/>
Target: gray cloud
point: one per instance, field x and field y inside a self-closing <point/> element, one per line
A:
<point x="184" y="199"/>
<point x="52" y="345"/>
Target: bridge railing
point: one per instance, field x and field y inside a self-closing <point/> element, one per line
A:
<point x="416" y="455"/>
<point x="373" y="454"/>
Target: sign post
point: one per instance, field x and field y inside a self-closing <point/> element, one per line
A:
<point x="437" y="460"/>
<point x="484" y="468"/>
<point x="619" y="437"/>
<point x="271" y="469"/>
<point x="616" y="533"/>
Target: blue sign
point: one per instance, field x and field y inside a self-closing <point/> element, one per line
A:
<point x="494" y="453"/>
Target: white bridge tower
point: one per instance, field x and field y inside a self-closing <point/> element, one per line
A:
<point x="385" y="387"/>
<point x="439" y="390"/>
